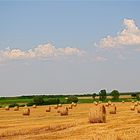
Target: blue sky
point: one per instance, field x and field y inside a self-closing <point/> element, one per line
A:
<point x="75" y="55"/>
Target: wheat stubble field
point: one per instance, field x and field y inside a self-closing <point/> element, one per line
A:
<point x="41" y="125"/>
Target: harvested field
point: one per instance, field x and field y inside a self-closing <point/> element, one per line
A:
<point x="42" y="125"/>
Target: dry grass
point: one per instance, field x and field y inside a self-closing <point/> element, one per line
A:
<point x="125" y="125"/>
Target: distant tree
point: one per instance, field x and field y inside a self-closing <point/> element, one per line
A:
<point x="94" y="95"/>
<point x="50" y="101"/>
<point x="115" y="94"/>
<point x="138" y="95"/>
<point x="13" y="105"/>
<point x="38" y="100"/>
<point x="134" y="95"/>
<point x="72" y="99"/>
<point x="102" y="94"/>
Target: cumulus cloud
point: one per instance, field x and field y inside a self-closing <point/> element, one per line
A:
<point x="42" y="51"/>
<point x="129" y="36"/>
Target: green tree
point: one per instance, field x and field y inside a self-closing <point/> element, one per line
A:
<point x="102" y="94"/>
<point x="94" y="95"/>
<point x="115" y="94"/>
<point x="72" y="99"/>
<point x="138" y="95"/>
<point x="133" y="95"/>
<point x="50" y="101"/>
<point x="38" y="100"/>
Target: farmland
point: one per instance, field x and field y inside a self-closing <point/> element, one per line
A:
<point x="41" y="125"/>
<point x="81" y="99"/>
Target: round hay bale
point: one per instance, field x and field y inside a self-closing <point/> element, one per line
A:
<point x="75" y="104"/>
<point x="16" y="108"/>
<point x="72" y="103"/>
<point x="48" y="109"/>
<point x="70" y="106"/>
<point x="123" y="101"/>
<point x="59" y="105"/>
<point x="132" y="107"/>
<point x="97" y="114"/>
<point x="95" y="103"/>
<point x="112" y="109"/>
<point x="138" y="109"/>
<point x="100" y="102"/>
<point x="133" y="101"/>
<point x="7" y="108"/>
<point x="56" y="107"/>
<point x="109" y="103"/>
<point x="136" y="104"/>
<point x="26" y="112"/>
<point x="34" y="106"/>
<point x="64" y="111"/>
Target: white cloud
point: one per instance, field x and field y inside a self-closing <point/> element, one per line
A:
<point x="129" y="36"/>
<point x="46" y="50"/>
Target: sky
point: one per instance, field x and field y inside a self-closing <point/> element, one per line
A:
<point x="69" y="47"/>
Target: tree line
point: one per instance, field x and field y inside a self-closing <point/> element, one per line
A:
<point x="115" y="95"/>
